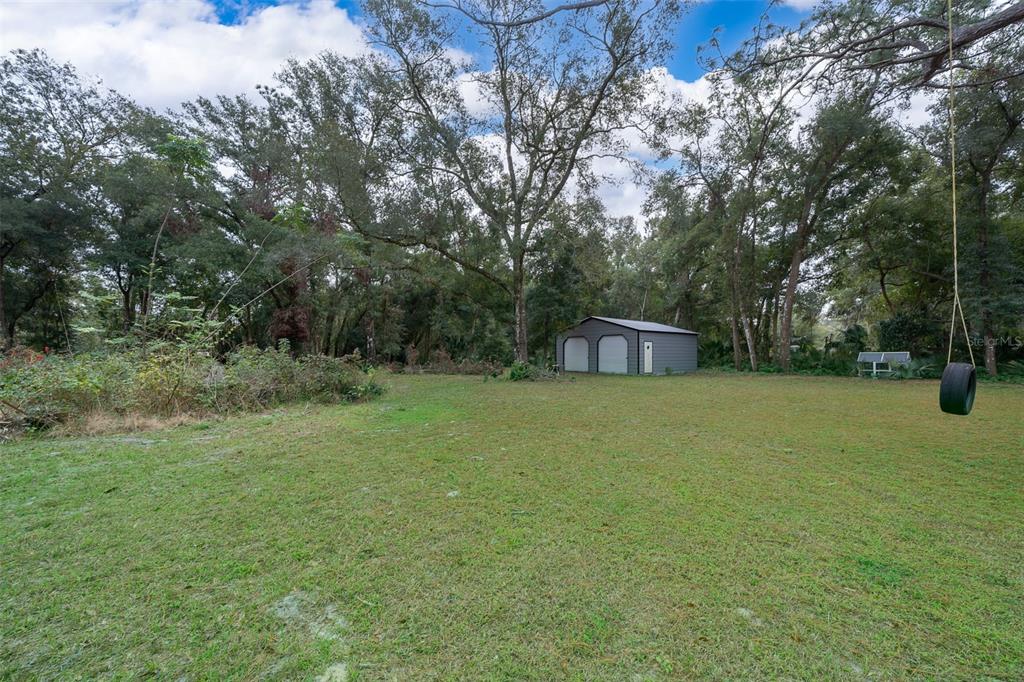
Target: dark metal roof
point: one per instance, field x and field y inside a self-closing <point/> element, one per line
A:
<point x="641" y="325"/>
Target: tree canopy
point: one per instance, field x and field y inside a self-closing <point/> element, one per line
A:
<point x="419" y="199"/>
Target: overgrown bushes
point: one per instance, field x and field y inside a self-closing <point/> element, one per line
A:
<point x="524" y="371"/>
<point x="440" y="362"/>
<point x="39" y="391"/>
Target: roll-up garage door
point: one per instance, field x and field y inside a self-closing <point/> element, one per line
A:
<point x="576" y="354"/>
<point x="611" y="354"/>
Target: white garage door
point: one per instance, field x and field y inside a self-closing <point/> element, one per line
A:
<point x="611" y="354"/>
<point x="576" y="354"/>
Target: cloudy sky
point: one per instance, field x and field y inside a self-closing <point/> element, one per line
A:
<point x="163" y="52"/>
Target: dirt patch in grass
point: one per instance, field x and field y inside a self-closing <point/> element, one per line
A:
<point x="300" y="609"/>
<point x="100" y="423"/>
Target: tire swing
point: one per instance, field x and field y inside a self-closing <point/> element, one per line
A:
<point x="959" y="380"/>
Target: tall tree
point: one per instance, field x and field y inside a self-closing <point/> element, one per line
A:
<point x="552" y="99"/>
<point x="989" y="130"/>
<point x="843" y="152"/>
<point x="56" y="130"/>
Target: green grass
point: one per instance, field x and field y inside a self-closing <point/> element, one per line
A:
<point x="608" y="528"/>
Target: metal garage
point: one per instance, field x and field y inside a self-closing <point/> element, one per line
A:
<point x="611" y="345"/>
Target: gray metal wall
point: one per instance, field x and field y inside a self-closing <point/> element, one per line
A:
<point x="675" y="351"/>
<point x="592" y="331"/>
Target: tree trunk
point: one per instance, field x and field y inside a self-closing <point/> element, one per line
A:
<point x="519" y="305"/>
<point x="786" y="326"/>
<point x="327" y="338"/>
<point x="748" y="333"/>
<point x="684" y="309"/>
<point x="734" y="321"/>
<point x="885" y="291"/>
<point x="990" y="354"/>
<point x="371" y="340"/>
<point x="764" y="327"/>
<point x="5" y="340"/>
<point x="985" y="277"/>
<point x="127" y="310"/>
<point x="734" y="292"/>
<point x="786" y="323"/>
<point x="737" y="351"/>
<point x="774" y="340"/>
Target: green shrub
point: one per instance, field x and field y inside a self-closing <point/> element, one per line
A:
<point x="917" y="368"/>
<point x="170" y="383"/>
<point x="57" y="387"/>
<point x="255" y="379"/>
<point x="1013" y="368"/>
<point x="524" y="371"/>
<point x="913" y="331"/>
<point x="1011" y="372"/>
<point x="41" y="391"/>
<point x="712" y="353"/>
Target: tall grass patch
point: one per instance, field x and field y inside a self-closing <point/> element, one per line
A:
<point x="41" y="391"/>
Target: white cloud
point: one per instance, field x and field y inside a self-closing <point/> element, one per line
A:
<point x="473" y="96"/>
<point x="621" y="193"/>
<point x="618" y="187"/>
<point x="692" y="91"/>
<point x="801" y="5"/>
<point x="916" y="111"/>
<point x="163" y="53"/>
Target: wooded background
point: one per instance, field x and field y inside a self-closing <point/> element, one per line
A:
<point x="366" y="204"/>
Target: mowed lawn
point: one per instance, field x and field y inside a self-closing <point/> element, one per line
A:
<point x="619" y="528"/>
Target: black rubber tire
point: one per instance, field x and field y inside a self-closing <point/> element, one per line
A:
<point x="956" y="394"/>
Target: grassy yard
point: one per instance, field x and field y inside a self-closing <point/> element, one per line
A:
<point x="609" y="528"/>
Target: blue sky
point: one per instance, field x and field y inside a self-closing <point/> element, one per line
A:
<point x="165" y="52"/>
<point x="162" y="52"/>
<point x="734" y="19"/>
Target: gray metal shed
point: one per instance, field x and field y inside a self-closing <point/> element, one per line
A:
<point x="613" y="346"/>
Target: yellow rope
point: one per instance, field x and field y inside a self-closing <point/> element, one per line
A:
<point x="952" y="165"/>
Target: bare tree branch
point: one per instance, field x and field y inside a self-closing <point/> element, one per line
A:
<point x="901" y="44"/>
<point x="567" y="7"/>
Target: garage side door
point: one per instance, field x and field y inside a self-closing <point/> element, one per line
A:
<point x="576" y="354"/>
<point x="611" y="354"/>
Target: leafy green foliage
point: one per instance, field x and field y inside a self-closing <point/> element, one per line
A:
<point x="59" y="389"/>
<point x="913" y="331"/>
<point x="918" y="368"/>
<point x="335" y="211"/>
<point x="524" y="371"/>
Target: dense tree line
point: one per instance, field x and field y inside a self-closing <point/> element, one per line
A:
<point x="370" y="204"/>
